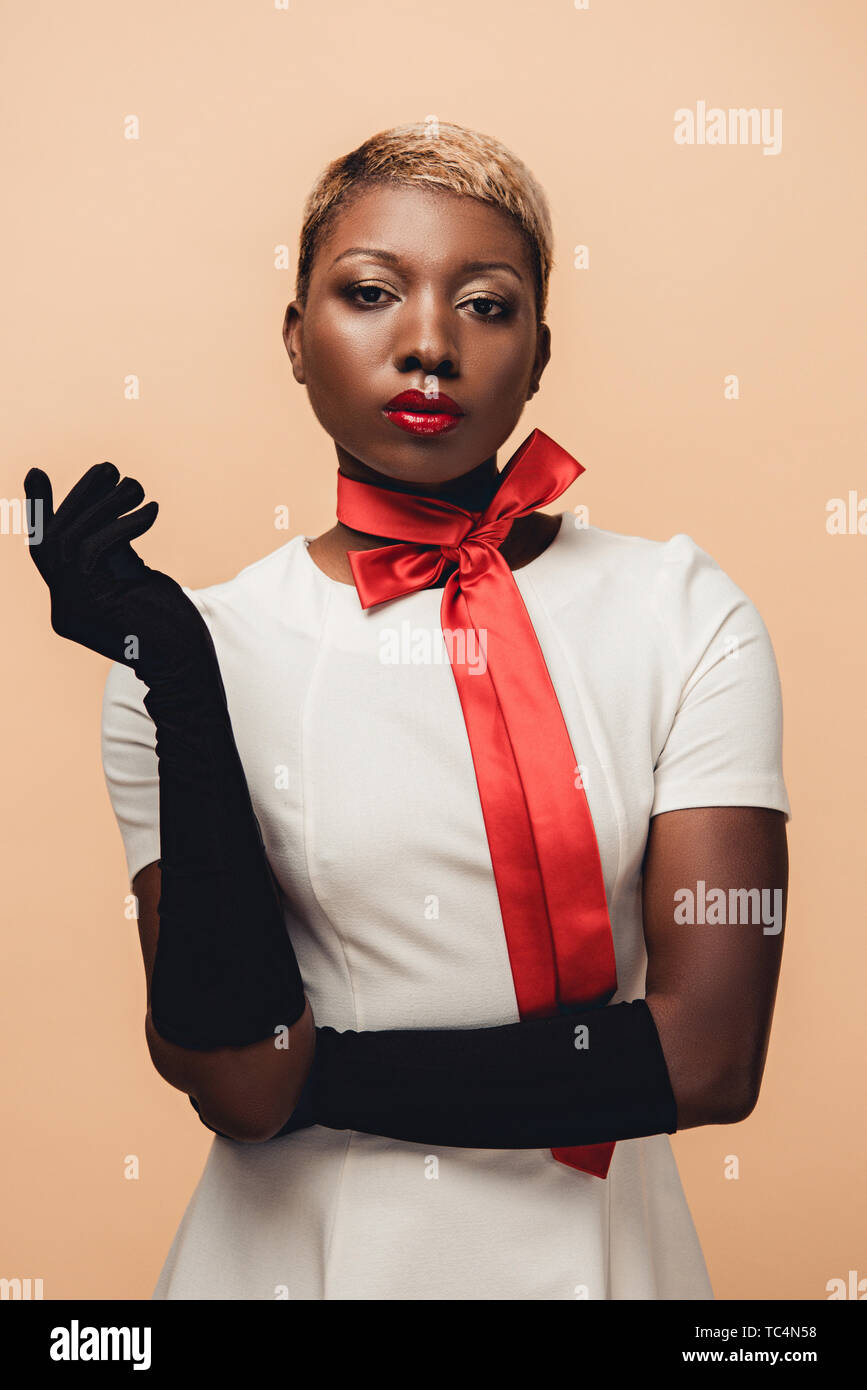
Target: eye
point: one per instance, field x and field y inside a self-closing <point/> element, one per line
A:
<point x="369" y="290"/>
<point x="365" y="287"/>
<point x="489" y="303"/>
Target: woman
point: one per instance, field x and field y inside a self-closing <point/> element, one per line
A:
<point x="456" y="1076"/>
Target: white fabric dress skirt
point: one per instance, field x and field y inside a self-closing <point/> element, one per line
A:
<point x="352" y="738"/>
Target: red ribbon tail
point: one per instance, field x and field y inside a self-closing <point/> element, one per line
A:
<point x="587" y="1158"/>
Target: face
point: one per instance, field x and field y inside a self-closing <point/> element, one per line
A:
<point x="411" y="312"/>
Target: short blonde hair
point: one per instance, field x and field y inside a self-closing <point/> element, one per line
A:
<point x="436" y="155"/>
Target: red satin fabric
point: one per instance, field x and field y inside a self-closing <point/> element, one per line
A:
<point x="540" y="832"/>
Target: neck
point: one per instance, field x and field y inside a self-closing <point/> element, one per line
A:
<point x="473" y="491"/>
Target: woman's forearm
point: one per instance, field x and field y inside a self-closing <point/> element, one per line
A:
<point x="582" y="1077"/>
<point x="227" y="1020"/>
<point x="246" y="1091"/>
<point x="224" y="973"/>
<point x="224" y="970"/>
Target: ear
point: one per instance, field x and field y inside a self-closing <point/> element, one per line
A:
<point x="541" y="359"/>
<point x="292" y="337"/>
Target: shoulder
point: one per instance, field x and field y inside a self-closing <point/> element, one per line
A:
<point x="672" y="592"/>
<point x="636" y="557"/>
<point x="662" y="572"/>
<point x="256" y="584"/>
<point x="229" y="607"/>
<point x="700" y="605"/>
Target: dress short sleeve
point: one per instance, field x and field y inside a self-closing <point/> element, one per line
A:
<point x="724" y="746"/>
<point x="131" y="767"/>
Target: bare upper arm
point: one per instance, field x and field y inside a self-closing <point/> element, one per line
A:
<point x="711" y="984"/>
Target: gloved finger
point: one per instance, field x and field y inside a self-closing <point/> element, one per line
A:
<point x="128" y="493"/>
<point x="95" y="483"/>
<point x="122" y="531"/>
<point x="37" y="489"/>
<point x="122" y="562"/>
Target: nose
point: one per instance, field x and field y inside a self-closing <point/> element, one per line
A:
<point x="425" y="337"/>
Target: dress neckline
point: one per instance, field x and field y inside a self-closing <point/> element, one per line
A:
<point x="552" y="545"/>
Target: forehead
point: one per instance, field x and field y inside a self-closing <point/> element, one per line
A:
<point x="426" y="226"/>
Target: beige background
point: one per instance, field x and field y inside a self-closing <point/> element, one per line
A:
<point x="158" y="257"/>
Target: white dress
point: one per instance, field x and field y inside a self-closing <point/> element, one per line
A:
<point x="351" y="734"/>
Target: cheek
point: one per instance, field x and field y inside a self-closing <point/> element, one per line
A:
<point x="339" y="352"/>
<point x="501" y="362"/>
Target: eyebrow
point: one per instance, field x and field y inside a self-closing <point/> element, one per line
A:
<point x="394" y="259"/>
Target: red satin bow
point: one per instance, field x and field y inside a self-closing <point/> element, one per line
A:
<point x="540" y="832"/>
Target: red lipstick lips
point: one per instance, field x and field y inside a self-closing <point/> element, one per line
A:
<point x="420" y="414"/>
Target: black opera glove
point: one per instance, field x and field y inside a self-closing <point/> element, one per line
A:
<point x="518" y="1086"/>
<point x="225" y="973"/>
<point x="103" y="595"/>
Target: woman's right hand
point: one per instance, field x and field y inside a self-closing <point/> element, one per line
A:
<point x="103" y="595"/>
